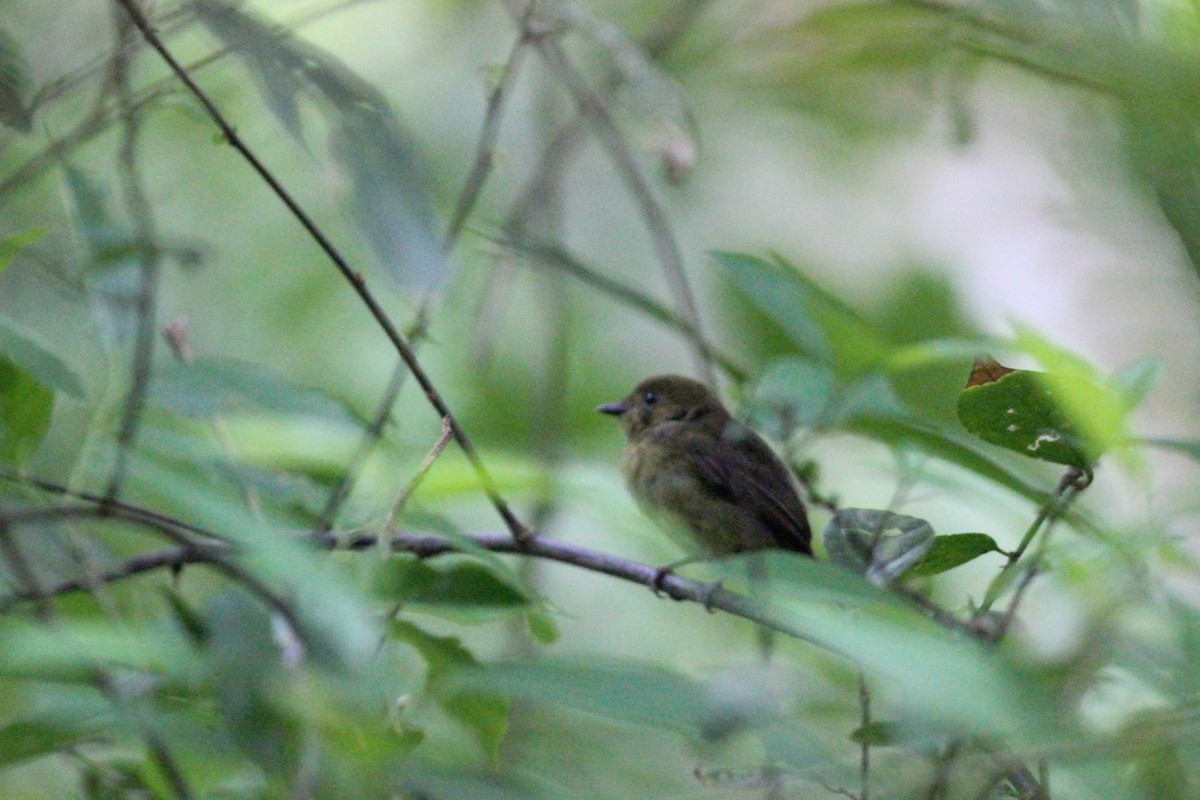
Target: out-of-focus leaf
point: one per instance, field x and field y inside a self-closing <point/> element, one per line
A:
<point x="110" y="243"/>
<point x="1017" y="410"/>
<point x="14" y="85"/>
<point x="209" y="387"/>
<point x="824" y="328"/>
<point x="445" y="658"/>
<point x="878" y="734"/>
<point x="627" y="692"/>
<point x="792" y="393"/>
<point x="336" y="622"/>
<point x="859" y="540"/>
<point x="952" y="550"/>
<point x="945" y="679"/>
<point x="900" y="432"/>
<point x="25" y="409"/>
<point x="1137" y="378"/>
<point x="1191" y="449"/>
<point x="26" y="739"/>
<point x="541" y="625"/>
<point x="11" y="245"/>
<point x="389" y="197"/>
<point x="26" y="349"/>
<point x="386" y="181"/>
<point x="866" y="66"/>
<point x="77" y="651"/>
<point x="647" y="95"/>
<point x="452" y="585"/>
<point x="270" y="53"/>
<point x="1096" y="404"/>
<point x="465" y="784"/>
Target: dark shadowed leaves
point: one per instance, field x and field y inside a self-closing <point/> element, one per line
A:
<point x="14" y="85"/>
<point x="25" y="409"/>
<point x="28" y="350"/>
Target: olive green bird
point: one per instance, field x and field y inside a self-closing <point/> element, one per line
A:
<point x="695" y="469"/>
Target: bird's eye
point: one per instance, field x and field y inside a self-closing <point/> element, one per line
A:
<point x="651" y="398"/>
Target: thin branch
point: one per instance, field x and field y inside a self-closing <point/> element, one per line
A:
<point x="594" y="109"/>
<point x="1074" y="481"/>
<point x="515" y="527"/>
<point x="416" y="479"/>
<point x="146" y="238"/>
<point x="557" y="257"/>
<point x="23" y="572"/>
<point x="466" y="202"/>
<point x="100" y="117"/>
<point x="490" y="132"/>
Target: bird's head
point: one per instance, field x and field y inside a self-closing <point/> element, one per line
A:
<point x="667" y="398"/>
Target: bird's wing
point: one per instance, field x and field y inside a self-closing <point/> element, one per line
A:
<point x="745" y="470"/>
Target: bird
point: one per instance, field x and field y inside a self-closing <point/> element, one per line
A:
<point x="696" y="470"/>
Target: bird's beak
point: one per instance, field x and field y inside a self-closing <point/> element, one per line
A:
<point x="616" y="409"/>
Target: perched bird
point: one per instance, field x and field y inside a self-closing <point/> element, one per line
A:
<point x="697" y="470"/>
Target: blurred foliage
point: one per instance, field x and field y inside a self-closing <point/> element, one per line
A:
<point x="212" y="625"/>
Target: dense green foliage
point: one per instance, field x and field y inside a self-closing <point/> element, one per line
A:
<point x="246" y="553"/>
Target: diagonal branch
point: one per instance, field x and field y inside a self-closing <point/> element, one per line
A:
<point x="593" y="108"/>
<point x="356" y="281"/>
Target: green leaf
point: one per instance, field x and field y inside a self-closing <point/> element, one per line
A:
<point x="859" y="540"/>
<point x="14" y="85"/>
<point x="26" y="349"/>
<point x="336" y="622"/>
<point x="208" y="387"/>
<point x="1018" y="410"/>
<point x="1097" y="405"/>
<point x="627" y="692"/>
<point x="878" y="734"/>
<point x="824" y="328"/>
<point x="388" y="191"/>
<point x="1137" y="378"/>
<point x="11" y="245"/>
<point x="446" y="658"/>
<point x="26" y="739"/>
<point x="443" y="783"/>
<point x="953" y="550"/>
<point x="944" y="679"/>
<point x="792" y="393"/>
<point x="1189" y="448"/>
<point x="25" y="410"/>
<point x="450" y="585"/>
<point x="900" y="432"/>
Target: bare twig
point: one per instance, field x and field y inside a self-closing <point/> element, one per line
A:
<point x="593" y="108"/>
<point x="1074" y="481"/>
<point x="559" y="258"/>
<point x="356" y="281"/>
<point x="490" y="131"/>
<point x="415" y="481"/>
<point x="146" y="245"/>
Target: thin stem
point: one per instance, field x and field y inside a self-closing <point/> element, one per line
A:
<point x="148" y="254"/>
<point x="1073" y="482"/>
<point x="515" y="527"/>
<point x="559" y="258"/>
<point x="415" y="481"/>
<point x="593" y="108"/>
<point x="489" y="132"/>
